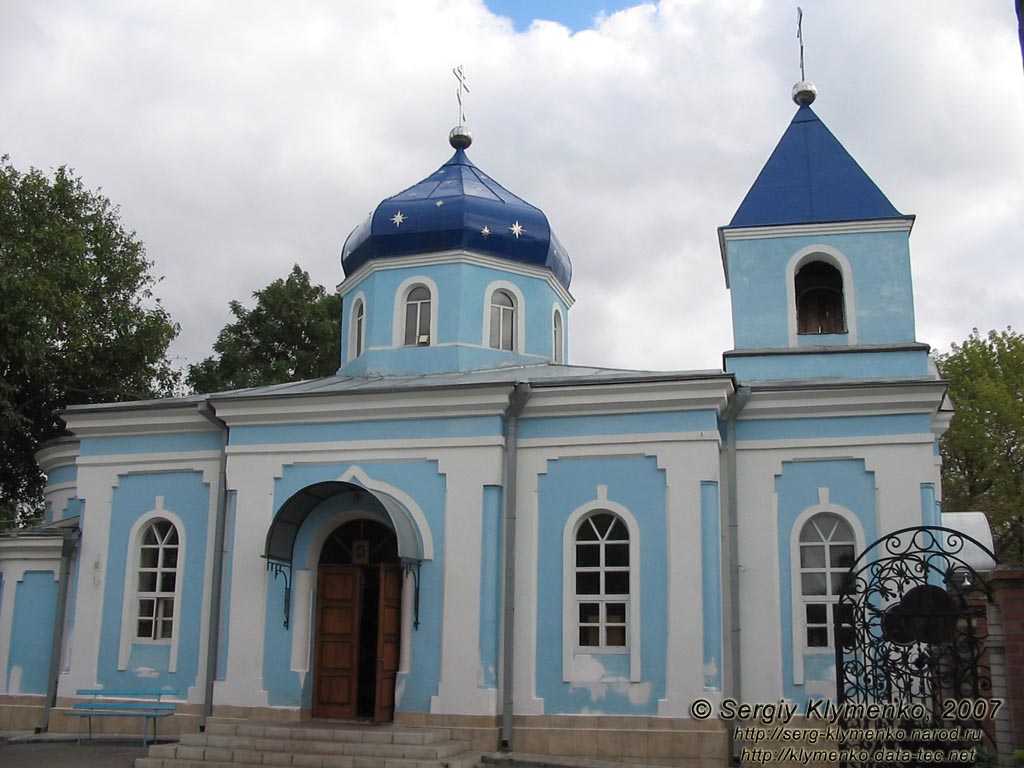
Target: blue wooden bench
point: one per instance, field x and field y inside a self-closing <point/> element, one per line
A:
<point x="111" y="702"/>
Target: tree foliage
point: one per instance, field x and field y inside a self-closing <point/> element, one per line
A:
<point x="78" y="322"/>
<point x="983" y="450"/>
<point x="293" y="333"/>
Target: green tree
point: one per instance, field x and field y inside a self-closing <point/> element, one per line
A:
<point x="293" y="333"/>
<point x="983" y="450"/>
<point x="78" y="322"/>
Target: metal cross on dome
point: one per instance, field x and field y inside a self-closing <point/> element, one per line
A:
<point x="461" y="77"/>
<point x="800" y="37"/>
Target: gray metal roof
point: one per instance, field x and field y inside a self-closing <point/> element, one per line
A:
<point x="543" y="374"/>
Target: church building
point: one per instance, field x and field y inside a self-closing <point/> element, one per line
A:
<point x="463" y="529"/>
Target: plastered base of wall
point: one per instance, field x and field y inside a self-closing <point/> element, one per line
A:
<point x="21" y="713"/>
<point x="631" y="740"/>
<point x="186" y="719"/>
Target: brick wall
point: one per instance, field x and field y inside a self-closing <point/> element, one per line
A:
<point x="1008" y="671"/>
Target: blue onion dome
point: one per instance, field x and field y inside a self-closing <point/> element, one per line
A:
<point x="458" y="207"/>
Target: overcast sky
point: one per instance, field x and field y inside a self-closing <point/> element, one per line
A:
<point x="240" y="138"/>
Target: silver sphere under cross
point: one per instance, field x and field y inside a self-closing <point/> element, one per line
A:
<point x="460" y="137"/>
<point x="804" y="93"/>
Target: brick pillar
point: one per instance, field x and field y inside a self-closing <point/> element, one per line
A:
<point x="1007" y="584"/>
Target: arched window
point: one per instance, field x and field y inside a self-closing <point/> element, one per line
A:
<point x="819" y="299"/>
<point x="157" y="581"/>
<point x="827" y="546"/>
<point x="503" y="321"/>
<point x="360" y="316"/>
<point x="417" y="317"/>
<point x="557" y="338"/>
<point x="602" y="582"/>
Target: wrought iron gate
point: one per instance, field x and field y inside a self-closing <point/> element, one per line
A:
<point x="910" y="633"/>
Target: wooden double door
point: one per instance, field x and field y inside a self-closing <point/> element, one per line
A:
<point x="358" y="641"/>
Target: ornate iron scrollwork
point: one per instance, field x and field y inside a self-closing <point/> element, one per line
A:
<point x="285" y="570"/>
<point x="910" y="630"/>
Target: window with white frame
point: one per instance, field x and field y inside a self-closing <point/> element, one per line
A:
<point x="557" y="337"/>
<point x="827" y="547"/>
<point x="417" y="317"/>
<point x="360" y="316"/>
<point x="503" y="321"/>
<point x="157" y="581"/>
<point x="602" y="582"/>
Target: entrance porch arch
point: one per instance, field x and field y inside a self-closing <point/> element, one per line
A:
<point x="415" y="542"/>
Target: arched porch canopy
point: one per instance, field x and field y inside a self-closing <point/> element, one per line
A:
<point x="293" y="513"/>
<point x="411" y="530"/>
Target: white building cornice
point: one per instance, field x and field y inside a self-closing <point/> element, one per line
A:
<point x="351" y="282"/>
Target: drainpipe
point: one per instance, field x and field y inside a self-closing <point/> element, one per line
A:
<point x="67" y="551"/>
<point x="732" y="522"/>
<point x="217" y="580"/>
<point x="516" y="402"/>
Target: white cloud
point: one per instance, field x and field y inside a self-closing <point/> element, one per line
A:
<point x="240" y="138"/>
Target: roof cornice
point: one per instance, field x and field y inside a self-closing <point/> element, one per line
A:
<point x="812" y="399"/>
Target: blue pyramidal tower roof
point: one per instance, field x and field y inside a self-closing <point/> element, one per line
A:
<point x="811" y="178"/>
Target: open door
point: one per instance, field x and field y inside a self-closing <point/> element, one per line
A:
<point x="389" y="635"/>
<point x="336" y="683"/>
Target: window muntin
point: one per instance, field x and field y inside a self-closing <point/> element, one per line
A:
<point x="827" y="549"/>
<point x="417" y="317"/>
<point x="360" y="315"/>
<point x="819" y="299"/>
<point x="503" y="321"/>
<point x="157" y="581"/>
<point x="602" y="583"/>
<point x="558" y="339"/>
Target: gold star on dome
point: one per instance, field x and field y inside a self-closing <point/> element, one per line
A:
<point x="486" y="231"/>
<point x="517" y="229"/>
<point x="398" y="218"/>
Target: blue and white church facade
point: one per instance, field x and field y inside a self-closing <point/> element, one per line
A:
<point x="462" y="528"/>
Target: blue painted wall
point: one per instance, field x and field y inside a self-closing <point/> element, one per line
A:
<point x="637" y="484"/>
<point x="828" y="365"/>
<point x="491" y="549"/>
<point x="175" y="443"/>
<point x="422" y="481"/>
<point x="842" y="426"/>
<point x="711" y="584"/>
<point x="850" y="486"/>
<point x="879" y="261"/>
<point x="35" y="604"/>
<point x="187" y="496"/>
<point x="460" y="300"/>
<point x="231" y="513"/>
<point x="390" y="429"/>
<point x="66" y="474"/>
<point x="618" y="424"/>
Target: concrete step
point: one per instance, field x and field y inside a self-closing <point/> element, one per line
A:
<point x="244" y="749"/>
<point x="240" y="744"/>
<point x="307" y="761"/>
<point x="330" y="731"/>
<point x="526" y="760"/>
<point x="311" y="761"/>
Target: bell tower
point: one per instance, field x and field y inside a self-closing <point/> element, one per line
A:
<point x="817" y="261"/>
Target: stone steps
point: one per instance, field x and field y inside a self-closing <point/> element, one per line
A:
<point x="240" y="744"/>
